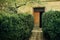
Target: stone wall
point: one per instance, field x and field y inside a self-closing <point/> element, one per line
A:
<point x="54" y="5"/>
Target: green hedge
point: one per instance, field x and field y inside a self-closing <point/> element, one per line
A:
<point x="51" y="25"/>
<point x="15" y="26"/>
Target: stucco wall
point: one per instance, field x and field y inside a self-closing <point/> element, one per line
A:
<point x="52" y="6"/>
<point x="55" y="5"/>
<point x="28" y="8"/>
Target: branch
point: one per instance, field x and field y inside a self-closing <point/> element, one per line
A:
<point x="19" y="5"/>
<point x="23" y="4"/>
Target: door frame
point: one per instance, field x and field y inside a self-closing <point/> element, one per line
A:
<point x="40" y="10"/>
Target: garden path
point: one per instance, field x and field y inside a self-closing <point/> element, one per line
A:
<point x="37" y="34"/>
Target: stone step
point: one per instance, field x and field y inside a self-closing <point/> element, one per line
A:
<point x="36" y="35"/>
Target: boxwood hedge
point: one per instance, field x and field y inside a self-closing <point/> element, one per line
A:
<point x="51" y="25"/>
<point x="15" y="26"/>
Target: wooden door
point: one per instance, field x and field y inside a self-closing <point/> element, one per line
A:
<point x="37" y="15"/>
<point x="36" y="18"/>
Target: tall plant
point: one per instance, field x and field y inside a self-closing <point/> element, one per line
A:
<point x="51" y="25"/>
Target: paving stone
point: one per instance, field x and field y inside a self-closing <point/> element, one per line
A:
<point x="36" y="35"/>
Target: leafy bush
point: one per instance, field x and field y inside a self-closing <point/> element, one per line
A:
<point x="15" y="26"/>
<point x="51" y="25"/>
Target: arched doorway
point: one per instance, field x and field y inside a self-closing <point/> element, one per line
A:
<point x="38" y="16"/>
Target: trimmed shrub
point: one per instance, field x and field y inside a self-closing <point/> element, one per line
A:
<point x="15" y="26"/>
<point x="51" y="25"/>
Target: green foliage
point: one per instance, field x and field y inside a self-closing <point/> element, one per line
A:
<point x="51" y="25"/>
<point x="6" y="1"/>
<point x="13" y="5"/>
<point x="15" y="26"/>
